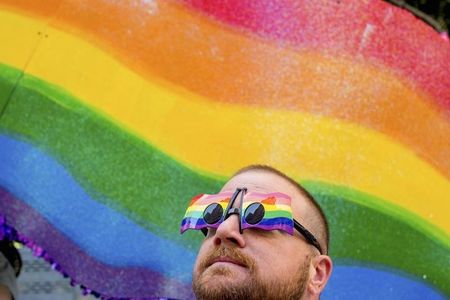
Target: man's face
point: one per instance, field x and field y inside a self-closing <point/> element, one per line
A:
<point x="257" y="264"/>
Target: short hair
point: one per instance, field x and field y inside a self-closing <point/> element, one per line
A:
<point x="321" y="230"/>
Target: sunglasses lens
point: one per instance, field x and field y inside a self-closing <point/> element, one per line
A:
<point x="213" y="213"/>
<point x="254" y="213"/>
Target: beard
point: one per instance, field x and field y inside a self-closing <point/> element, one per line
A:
<point x="254" y="287"/>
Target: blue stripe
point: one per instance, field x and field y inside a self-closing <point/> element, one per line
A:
<point x="357" y="282"/>
<point x="198" y="222"/>
<point x="103" y="233"/>
<point x="274" y="221"/>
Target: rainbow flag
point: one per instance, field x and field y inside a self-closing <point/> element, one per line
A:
<point x="277" y="207"/>
<point x="193" y="219"/>
<point x="112" y="113"/>
<point x="277" y="211"/>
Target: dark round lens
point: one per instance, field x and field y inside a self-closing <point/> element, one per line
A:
<point x="213" y="213"/>
<point x="254" y="213"/>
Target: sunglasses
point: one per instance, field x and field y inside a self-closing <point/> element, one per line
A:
<point x="270" y="211"/>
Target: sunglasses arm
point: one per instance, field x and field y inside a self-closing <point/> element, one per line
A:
<point x="308" y="235"/>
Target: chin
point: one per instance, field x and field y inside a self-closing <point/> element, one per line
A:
<point x="215" y="285"/>
<point x="214" y="272"/>
<point x="218" y="277"/>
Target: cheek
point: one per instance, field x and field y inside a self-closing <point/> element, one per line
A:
<point x="201" y="254"/>
<point x="278" y="259"/>
<point x="271" y="265"/>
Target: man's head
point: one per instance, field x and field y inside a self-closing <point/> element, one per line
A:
<point x="259" y="264"/>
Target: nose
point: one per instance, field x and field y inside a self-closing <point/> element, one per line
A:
<point x="228" y="232"/>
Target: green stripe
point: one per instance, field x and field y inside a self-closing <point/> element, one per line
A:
<point x="153" y="189"/>
<point x="379" y="204"/>
<point x="194" y="214"/>
<point x="9" y="77"/>
<point x="360" y="233"/>
<point x="278" y="214"/>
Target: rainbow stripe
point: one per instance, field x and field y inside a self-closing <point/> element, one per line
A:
<point x="106" y="126"/>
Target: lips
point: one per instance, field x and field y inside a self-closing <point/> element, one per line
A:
<point x="226" y="259"/>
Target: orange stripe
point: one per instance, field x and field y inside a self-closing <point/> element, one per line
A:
<point x="41" y="9"/>
<point x="225" y="65"/>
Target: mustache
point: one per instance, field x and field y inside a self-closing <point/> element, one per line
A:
<point x="231" y="253"/>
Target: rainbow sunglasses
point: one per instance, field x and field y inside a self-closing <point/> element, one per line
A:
<point x="270" y="211"/>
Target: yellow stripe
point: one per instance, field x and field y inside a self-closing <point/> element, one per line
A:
<point x="19" y="38"/>
<point x="283" y="207"/>
<point x="221" y="138"/>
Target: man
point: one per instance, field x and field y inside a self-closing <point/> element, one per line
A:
<point x="10" y="265"/>
<point x="254" y="263"/>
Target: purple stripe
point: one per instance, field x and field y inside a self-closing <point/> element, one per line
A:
<point x="196" y="224"/>
<point x="82" y="268"/>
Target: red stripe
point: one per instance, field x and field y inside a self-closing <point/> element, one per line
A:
<point x="366" y="30"/>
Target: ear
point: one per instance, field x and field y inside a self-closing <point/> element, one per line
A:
<point x="321" y="267"/>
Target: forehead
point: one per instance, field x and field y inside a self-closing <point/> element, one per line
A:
<point x="267" y="182"/>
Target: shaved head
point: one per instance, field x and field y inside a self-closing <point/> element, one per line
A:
<point x="315" y="218"/>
